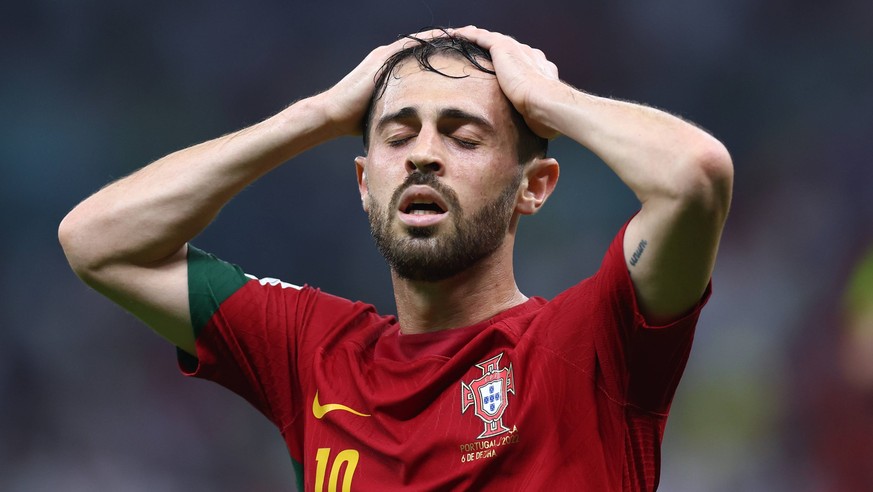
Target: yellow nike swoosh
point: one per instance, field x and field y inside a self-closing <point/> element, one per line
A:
<point x="320" y="410"/>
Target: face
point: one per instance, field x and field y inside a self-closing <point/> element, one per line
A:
<point x="442" y="175"/>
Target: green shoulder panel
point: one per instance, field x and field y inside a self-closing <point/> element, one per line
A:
<point x="210" y="282"/>
<point x="298" y="473"/>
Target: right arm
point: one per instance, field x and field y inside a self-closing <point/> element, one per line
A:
<point x="129" y="240"/>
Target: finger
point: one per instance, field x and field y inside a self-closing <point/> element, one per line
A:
<point x="426" y="35"/>
<point x="554" y="71"/>
<point x="482" y="37"/>
<point x="501" y="42"/>
<point x="404" y="41"/>
<point x="382" y="53"/>
<point x="431" y="33"/>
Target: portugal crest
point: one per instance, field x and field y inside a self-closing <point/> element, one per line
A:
<point x="488" y="395"/>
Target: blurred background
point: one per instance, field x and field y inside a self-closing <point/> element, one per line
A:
<point x="777" y="395"/>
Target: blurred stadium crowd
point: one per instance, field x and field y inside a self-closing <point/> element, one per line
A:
<point x="778" y="393"/>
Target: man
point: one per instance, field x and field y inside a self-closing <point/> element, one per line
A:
<point x="473" y="385"/>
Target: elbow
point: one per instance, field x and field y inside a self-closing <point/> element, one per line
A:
<point x="68" y="235"/>
<point x="74" y="241"/>
<point x="707" y="179"/>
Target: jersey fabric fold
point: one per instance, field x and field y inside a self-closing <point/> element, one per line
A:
<point x="572" y="392"/>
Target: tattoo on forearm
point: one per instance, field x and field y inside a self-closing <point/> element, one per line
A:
<point x="639" y="252"/>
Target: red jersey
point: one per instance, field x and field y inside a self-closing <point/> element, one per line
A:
<point x="568" y="393"/>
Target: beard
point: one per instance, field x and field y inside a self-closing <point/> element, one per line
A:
<point x="421" y="254"/>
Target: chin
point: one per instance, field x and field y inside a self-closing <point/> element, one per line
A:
<point x="421" y="232"/>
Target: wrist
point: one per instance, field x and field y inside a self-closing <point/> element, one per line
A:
<point x="334" y="115"/>
<point x="546" y="107"/>
<point x="314" y="117"/>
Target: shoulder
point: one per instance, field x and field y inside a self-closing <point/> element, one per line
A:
<point x="217" y="286"/>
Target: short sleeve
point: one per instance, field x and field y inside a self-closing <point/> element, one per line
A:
<point x="652" y="358"/>
<point x="210" y="282"/>
<point x="245" y="331"/>
<point x="259" y="337"/>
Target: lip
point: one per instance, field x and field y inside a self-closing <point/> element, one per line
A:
<point x="422" y="194"/>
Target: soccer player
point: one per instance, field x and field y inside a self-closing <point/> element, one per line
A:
<point x="473" y="386"/>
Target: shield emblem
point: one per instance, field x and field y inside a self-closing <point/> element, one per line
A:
<point x="492" y="397"/>
<point x="487" y="395"/>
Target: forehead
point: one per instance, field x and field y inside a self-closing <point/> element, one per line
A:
<point x="460" y="85"/>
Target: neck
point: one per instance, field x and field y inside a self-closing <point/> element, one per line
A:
<point x="469" y="297"/>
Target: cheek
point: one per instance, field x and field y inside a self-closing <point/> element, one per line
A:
<point x="381" y="185"/>
<point x="487" y="182"/>
<point x="378" y="197"/>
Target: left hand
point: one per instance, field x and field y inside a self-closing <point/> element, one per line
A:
<point x="524" y="73"/>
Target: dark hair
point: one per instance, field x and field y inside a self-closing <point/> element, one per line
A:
<point x="529" y="144"/>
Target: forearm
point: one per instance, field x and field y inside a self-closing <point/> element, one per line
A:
<point x="683" y="179"/>
<point x="151" y="214"/>
<point x="656" y="154"/>
<point x="681" y="175"/>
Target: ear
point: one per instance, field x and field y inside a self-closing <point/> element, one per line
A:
<point x="361" y="171"/>
<point x="540" y="178"/>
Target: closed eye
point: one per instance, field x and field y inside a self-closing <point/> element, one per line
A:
<point x="467" y="144"/>
<point x="397" y="142"/>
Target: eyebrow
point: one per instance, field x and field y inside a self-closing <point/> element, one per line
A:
<point x="403" y="114"/>
<point x="460" y="114"/>
<point x="409" y="112"/>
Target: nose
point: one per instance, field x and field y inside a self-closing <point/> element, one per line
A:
<point x="427" y="154"/>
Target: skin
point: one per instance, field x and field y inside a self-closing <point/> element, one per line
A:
<point x="682" y="176"/>
<point x="473" y="155"/>
<point x="138" y="227"/>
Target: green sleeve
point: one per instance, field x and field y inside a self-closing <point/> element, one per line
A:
<point x="210" y="282"/>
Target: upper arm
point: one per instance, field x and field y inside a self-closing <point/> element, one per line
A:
<point x="157" y="294"/>
<point x="671" y="244"/>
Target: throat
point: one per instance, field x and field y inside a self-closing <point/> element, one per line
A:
<point x="462" y="300"/>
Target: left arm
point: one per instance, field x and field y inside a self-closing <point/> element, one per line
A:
<point x="683" y="179"/>
<point x="681" y="174"/>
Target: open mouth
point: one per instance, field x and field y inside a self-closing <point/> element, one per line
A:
<point x="422" y="200"/>
<point x="423" y="208"/>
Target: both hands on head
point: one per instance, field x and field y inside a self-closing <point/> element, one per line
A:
<point x="522" y="73"/>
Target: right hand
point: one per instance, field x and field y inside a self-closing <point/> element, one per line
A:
<point x="346" y="102"/>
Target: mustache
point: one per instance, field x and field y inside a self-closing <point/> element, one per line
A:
<point x="426" y="179"/>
